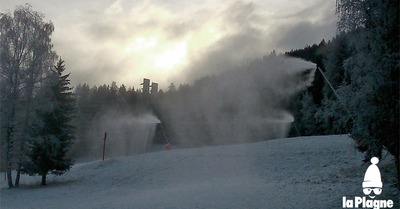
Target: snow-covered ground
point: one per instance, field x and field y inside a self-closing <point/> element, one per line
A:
<point x="304" y="172"/>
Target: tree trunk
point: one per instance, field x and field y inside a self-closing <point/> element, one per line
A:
<point x="9" y="157"/>
<point x="29" y="93"/>
<point x="9" y="144"/>
<point x="397" y="161"/>
<point x="8" y="162"/>
<point x="9" y="178"/>
<point x="19" y="163"/>
<point x="43" y="180"/>
<point x="18" y="175"/>
<point x="21" y="151"/>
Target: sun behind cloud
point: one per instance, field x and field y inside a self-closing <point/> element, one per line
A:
<point x="153" y="54"/>
<point x="173" y="55"/>
<point x="176" y="41"/>
<point x="159" y="55"/>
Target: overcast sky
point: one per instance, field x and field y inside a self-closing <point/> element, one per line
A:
<point x="175" y="40"/>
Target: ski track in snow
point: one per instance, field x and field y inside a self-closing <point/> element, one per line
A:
<point x="303" y="172"/>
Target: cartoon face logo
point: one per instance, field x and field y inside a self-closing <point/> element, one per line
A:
<point x="372" y="185"/>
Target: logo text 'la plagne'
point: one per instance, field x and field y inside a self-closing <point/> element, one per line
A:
<point x="372" y="186"/>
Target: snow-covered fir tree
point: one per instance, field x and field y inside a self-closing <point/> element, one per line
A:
<point x="372" y="93"/>
<point x="53" y="135"/>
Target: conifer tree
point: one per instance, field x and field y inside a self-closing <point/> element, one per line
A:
<point x="53" y="135"/>
<point x="373" y="91"/>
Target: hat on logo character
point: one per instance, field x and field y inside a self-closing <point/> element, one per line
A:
<point x="372" y="176"/>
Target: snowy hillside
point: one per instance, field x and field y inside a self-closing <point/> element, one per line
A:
<point x="306" y="172"/>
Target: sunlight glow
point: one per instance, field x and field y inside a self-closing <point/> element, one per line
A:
<point x="172" y="56"/>
<point x="156" y="53"/>
<point x="141" y="43"/>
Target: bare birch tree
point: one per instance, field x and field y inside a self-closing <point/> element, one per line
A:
<point x="25" y="56"/>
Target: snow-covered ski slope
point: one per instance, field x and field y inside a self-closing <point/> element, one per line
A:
<point x="304" y="172"/>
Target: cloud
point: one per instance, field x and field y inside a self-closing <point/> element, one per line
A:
<point x="303" y="33"/>
<point x="243" y="40"/>
<point x="251" y="35"/>
<point x="101" y="41"/>
<point x="115" y="8"/>
<point x="180" y="29"/>
<point x="105" y="31"/>
<point x="306" y="27"/>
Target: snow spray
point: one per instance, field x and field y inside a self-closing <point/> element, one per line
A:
<point x="127" y="134"/>
<point x="239" y="105"/>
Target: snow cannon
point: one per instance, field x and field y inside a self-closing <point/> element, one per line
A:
<point x="167" y="146"/>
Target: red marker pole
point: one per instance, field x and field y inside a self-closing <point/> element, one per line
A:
<point x="104" y="146"/>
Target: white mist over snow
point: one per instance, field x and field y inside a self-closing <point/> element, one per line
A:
<point x="239" y="105"/>
<point x="127" y="134"/>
